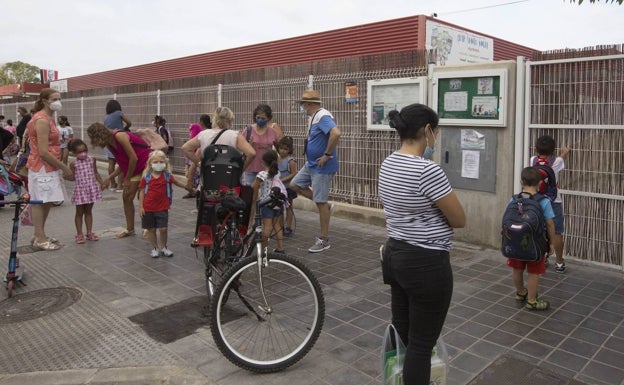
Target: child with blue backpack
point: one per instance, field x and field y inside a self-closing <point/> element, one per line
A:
<point x="526" y="222"/>
<point x="155" y="197"/>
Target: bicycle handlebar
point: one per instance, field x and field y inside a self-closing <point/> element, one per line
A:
<point x="22" y="202"/>
<point x="275" y="196"/>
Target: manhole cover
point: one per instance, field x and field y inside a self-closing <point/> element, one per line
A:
<point x="38" y="303"/>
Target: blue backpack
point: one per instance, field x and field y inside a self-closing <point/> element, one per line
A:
<point x="524" y="228"/>
<point x="148" y="176"/>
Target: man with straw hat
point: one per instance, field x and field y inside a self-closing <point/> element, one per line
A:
<point x="321" y="162"/>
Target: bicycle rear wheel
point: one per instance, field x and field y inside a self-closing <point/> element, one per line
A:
<point x="267" y="340"/>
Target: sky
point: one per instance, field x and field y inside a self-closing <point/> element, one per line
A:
<point x="79" y="37"/>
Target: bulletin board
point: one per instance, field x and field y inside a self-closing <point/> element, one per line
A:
<point x="474" y="98"/>
<point x="385" y="95"/>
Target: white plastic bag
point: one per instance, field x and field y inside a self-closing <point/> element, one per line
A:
<point x="392" y="357"/>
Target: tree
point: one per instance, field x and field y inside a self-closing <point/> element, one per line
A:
<point x="593" y="1"/>
<point x="19" y="72"/>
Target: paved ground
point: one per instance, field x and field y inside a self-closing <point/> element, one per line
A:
<point x="94" y="341"/>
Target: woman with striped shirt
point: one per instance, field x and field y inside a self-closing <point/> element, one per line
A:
<point x="421" y="211"/>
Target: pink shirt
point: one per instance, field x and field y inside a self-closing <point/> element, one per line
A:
<point x="260" y="143"/>
<point x="141" y="149"/>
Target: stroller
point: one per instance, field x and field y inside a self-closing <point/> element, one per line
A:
<point x="13" y="183"/>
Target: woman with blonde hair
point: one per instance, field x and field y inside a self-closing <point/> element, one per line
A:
<point x="223" y="118"/>
<point x="44" y="165"/>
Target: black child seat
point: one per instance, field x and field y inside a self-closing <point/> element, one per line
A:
<point x="220" y="176"/>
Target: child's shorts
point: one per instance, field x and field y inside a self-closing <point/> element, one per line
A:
<point x="155" y="220"/>
<point x="268" y="212"/>
<point x="537" y="267"/>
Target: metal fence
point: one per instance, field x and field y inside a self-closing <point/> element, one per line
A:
<point x="580" y="103"/>
<point x="360" y="151"/>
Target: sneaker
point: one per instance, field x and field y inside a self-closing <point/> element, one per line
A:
<point x="288" y="231"/>
<point x="538" y="304"/>
<point x="320" y="245"/>
<point x="155" y="253"/>
<point x="560" y="267"/>
<point x="166" y="252"/>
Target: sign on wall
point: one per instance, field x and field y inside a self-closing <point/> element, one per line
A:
<point x="456" y="46"/>
<point x="385" y="95"/>
<point x="473" y="98"/>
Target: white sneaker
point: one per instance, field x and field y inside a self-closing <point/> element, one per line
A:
<point x="166" y="252"/>
<point x="155" y="253"/>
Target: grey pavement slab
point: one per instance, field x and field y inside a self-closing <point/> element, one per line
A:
<point x="580" y="337"/>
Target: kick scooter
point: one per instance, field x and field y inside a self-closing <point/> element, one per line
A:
<point x="13" y="277"/>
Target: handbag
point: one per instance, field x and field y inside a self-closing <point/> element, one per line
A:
<point x="392" y="357"/>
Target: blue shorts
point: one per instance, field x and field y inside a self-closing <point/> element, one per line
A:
<point x="155" y="220"/>
<point x="269" y="212"/>
<point x="558" y="219"/>
<point x="108" y="154"/>
<point x="320" y="183"/>
<point x="249" y="177"/>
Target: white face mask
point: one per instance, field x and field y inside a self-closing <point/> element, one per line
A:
<point x="159" y="167"/>
<point x="303" y="110"/>
<point x="56" y="105"/>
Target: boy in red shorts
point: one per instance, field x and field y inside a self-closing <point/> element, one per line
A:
<point x="530" y="179"/>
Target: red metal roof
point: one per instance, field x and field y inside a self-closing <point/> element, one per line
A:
<point x="403" y="34"/>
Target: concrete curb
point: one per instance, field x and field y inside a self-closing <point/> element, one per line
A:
<point x="162" y="375"/>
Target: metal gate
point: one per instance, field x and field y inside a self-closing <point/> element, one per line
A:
<point x="580" y="103"/>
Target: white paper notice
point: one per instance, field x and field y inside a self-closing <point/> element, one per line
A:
<point x="470" y="164"/>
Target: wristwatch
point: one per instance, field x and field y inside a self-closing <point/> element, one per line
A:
<point x="330" y="156"/>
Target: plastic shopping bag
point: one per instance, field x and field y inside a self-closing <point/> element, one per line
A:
<point x="392" y="357"/>
<point x="26" y="216"/>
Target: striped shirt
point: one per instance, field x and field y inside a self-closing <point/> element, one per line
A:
<point x="408" y="187"/>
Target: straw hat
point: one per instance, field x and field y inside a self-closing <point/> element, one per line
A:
<point x="310" y="96"/>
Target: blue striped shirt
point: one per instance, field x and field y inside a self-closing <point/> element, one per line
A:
<point x="408" y="187"/>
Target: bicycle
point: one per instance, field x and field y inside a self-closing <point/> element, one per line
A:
<point x="12" y="277"/>
<point x="278" y="311"/>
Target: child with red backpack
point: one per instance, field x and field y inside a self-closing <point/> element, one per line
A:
<point x="155" y="197"/>
<point x="549" y="166"/>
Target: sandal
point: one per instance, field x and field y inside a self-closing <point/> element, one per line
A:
<point x="537" y="305"/>
<point x="125" y="233"/>
<point x="47" y="245"/>
<point x="522" y="297"/>
<point x="92" y="237"/>
<point x="80" y="239"/>
<point x="50" y="239"/>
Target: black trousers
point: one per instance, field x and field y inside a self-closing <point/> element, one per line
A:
<point x="421" y="282"/>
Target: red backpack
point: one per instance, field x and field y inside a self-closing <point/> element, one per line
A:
<point x="548" y="184"/>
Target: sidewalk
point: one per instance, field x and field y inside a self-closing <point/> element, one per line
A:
<point x="94" y="340"/>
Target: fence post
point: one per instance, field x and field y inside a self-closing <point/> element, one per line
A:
<point x="158" y="102"/>
<point x="82" y="117"/>
<point x="219" y="90"/>
<point x="310" y="82"/>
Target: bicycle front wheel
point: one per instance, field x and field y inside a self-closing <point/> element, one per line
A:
<point x="263" y="338"/>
